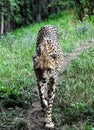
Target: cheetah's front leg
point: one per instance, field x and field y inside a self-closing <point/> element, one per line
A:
<point x="43" y="101"/>
<point x="51" y="93"/>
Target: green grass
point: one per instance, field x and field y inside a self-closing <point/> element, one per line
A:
<point x="75" y="96"/>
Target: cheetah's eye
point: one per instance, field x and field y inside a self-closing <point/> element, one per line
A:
<point x="49" y="69"/>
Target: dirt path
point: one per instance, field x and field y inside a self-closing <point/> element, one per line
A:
<point x="35" y="115"/>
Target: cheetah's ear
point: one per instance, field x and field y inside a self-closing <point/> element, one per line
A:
<point x="54" y="56"/>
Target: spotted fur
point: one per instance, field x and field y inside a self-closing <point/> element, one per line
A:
<point x="47" y="64"/>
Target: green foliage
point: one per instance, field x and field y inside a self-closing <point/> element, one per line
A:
<point x="16" y="77"/>
<point x="83" y="28"/>
<point x="74" y="101"/>
<point x="21" y="124"/>
<point x="74" y="98"/>
<point x="15" y="97"/>
<point x="14" y="14"/>
<point x="16" y="50"/>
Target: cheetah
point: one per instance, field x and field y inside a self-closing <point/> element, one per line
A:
<point x="47" y="64"/>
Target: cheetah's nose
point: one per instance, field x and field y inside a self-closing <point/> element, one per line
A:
<point x="44" y="80"/>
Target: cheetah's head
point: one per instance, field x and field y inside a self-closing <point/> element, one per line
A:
<point x="44" y="67"/>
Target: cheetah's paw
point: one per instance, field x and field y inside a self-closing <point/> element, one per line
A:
<point x="49" y="126"/>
